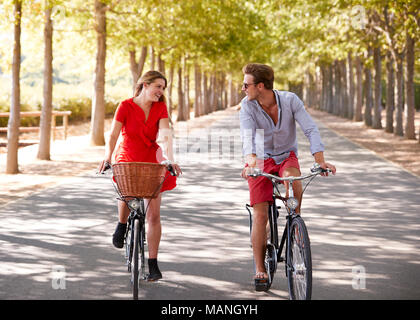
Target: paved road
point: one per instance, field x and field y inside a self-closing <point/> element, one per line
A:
<point x="56" y="244"/>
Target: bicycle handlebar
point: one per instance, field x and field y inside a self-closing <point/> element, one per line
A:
<point x="167" y="163"/>
<point x="315" y="170"/>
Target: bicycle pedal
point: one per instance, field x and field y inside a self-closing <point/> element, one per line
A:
<point x="281" y="259"/>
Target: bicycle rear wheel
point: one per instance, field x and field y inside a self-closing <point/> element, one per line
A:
<point x="135" y="260"/>
<point x="299" y="262"/>
<point x="270" y="262"/>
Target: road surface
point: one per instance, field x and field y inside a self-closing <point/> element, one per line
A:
<point x="363" y="223"/>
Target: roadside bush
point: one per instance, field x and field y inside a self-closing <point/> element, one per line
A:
<point x="80" y="108"/>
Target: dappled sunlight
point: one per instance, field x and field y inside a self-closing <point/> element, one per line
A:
<point x="366" y="215"/>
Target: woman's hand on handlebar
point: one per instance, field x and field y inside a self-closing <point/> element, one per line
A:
<point x="173" y="168"/>
<point x="103" y="166"/>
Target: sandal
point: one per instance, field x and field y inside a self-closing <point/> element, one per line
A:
<point x="261" y="283"/>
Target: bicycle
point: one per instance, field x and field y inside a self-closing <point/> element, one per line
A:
<point x="133" y="194"/>
<point x="298" y="260"/>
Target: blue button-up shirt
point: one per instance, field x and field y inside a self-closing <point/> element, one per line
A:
<point x="261" y="137"/>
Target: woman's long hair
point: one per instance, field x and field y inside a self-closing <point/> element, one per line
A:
<point x="149" y="77"/>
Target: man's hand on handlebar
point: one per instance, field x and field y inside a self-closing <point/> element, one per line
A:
<point x="249" y="171"/>
<point x="325" y="167"/>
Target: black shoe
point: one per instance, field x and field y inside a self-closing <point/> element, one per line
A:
<point x="118" y="236"/>
<point x="154" y="272"/>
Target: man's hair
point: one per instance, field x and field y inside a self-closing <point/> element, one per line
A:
<point x="261" y="73"/>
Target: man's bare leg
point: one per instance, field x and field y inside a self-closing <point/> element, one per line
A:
<point x="259" y="237"/>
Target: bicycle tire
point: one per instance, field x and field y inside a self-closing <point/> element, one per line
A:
<point x="135" y="260"/>
<point x="272" y="243"/>
<point x="299" y="261"/>
<point x="270" y="262"/>
<point x="142" y="250"/>
<point x="128" y="245"/>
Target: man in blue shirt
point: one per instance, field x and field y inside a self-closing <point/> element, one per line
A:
<point x="268" y="130"/>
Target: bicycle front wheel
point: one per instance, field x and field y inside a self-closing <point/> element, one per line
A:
<point x="299" y="262"/>
<point x="135" y="260"/>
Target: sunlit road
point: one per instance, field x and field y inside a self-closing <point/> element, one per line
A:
<point x="363" y="223"/>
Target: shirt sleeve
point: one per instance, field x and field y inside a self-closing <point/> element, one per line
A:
<point x="308" y="126"/>
<point x="247" y="129"/>
<point x="121" y="113"/>
<point x="164" y="111"/>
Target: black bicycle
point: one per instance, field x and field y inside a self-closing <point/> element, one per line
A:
<point x="298" y="260"/>
<point x="134" y="182"/>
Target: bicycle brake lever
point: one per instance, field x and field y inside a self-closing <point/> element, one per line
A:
<point x="169" y="166"/>
<point x="255" y="172"/>
<point x="316" y="168"/>
<point x="171" y="170"/>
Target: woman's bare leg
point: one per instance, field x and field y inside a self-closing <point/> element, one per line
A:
<point x="154" y="228"/>
<point x="123" y="212"/>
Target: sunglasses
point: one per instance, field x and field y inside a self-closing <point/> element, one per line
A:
<point x="246" y="85"/>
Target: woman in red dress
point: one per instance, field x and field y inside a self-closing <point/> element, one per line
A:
<point x="139" y="119"/>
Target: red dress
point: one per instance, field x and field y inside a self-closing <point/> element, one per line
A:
<point x="139" y="135"/>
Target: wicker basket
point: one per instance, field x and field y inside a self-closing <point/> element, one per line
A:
<point x="139" y="179"/>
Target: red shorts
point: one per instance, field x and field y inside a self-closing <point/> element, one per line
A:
<point x="261" y="188"/>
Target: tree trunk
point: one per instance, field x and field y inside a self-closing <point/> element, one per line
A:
<point x="350" y="73"/>
<point x="337" y="89"/>
<point x="133" y="67"/>
<point x="213" y="85"/>
<point x="187" y="104"/>
<point x="410" y="132"/>
<point x="45" y="125"/>
<point x="137" y="67"/>
<point x="206" y="98"/>
<point x="14" y="118"/>
<point x="400" y="98"/>
<point x="142" y="60"/>
<point x="220" y="84"/>
<point x="390" y="93"/>
<point x="317" y="88"/>
<point x="330" y="97"/>
<point x="359" y="90"/>
<point x="368" y="94"/>
<point x="323" y="87"/>
<point x="306" y="96"/>
<point x="181" y="113"/>
<point x="161" y="64"/>
<point x="98" y="103"/>
<point x="377" y="116"/>
<point x="231" y="97"/>
<point x="197" y="91"/>
<point x="344" y="90"/>
<point x="152" y="58"/>
<point x="170" y="87"/>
